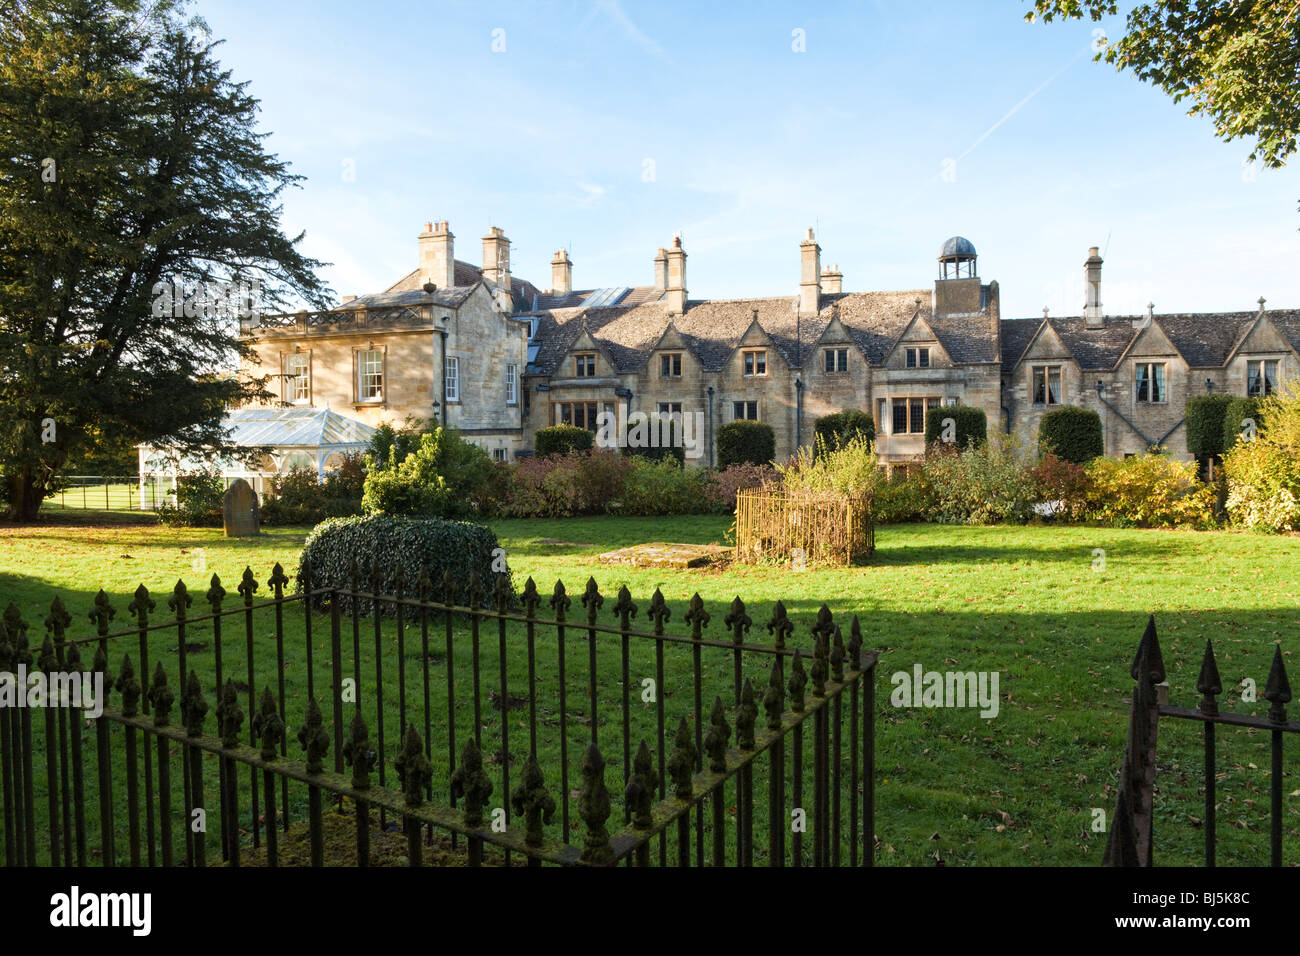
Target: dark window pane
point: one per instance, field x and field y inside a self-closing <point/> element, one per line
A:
<point x="900" y="416"/>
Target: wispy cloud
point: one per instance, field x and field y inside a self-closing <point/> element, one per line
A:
<point x="614" y="11"/>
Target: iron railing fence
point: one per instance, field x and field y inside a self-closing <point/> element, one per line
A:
<point x="1130" y="841"/>
<point x="117" y="492"/>
<point x="782" y="772"/>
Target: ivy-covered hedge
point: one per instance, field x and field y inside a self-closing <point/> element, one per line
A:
<point x="561" y="439"/>
<point x="1237" y="411"/>
<point x="1072" y="434"/>
<point x="970" y="424"/>
<point x="745" y="442"/>
<point x="839" y="428"/>
<point x="1205" y="417"/>
<point x="413" y="543"/>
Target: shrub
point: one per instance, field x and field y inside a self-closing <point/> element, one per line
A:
<point x="838" y="429"/>
<point x="1263" y="475"/>
<point x="561" y="440"/>
<point x="981" y="484"/>
<point x="391" y="444"/>
<point x="386" y="543"/>
<point x="1238" y="410"/>
<point x="1064" y="482"/>
<point x="1148" y="491"/>
<point x="587" y="482"/>
<point x="969" y="424"/>
<point x="901" y="498"/>
<point x="722" y="486"/>
<point x="444" y="476"/>
<point x="299" y="497"/>
<point x="745" y="441"/>
<point x="663" y="488"/>
<point x="200" y="501"/>
<point x="1071" y="433"/>
<point x="1205" y="416"/>
<point x="851" y="469"/>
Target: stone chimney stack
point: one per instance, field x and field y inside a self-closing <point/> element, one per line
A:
<point x="810" y="255"/>
<point x="1092" y="286"/>
<point x="676" y="290"/>
<point x="496" y="258"/>
<point x="561" y="273"/>
<point x="661" y="270"/>
<point x="437" y="255"/>
<point x="832" y="281"/>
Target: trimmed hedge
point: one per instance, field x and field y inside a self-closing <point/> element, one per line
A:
<point x="839" y="428"/>
<point x="971" y="425"/>
<point x="745" y="441"/>
<point x="1072" y="434"/>
<point x="376" y="540"/>
<point x="1205" y="416"/>
<point x="562" y="439"/>
<point x="1237" y="410"/>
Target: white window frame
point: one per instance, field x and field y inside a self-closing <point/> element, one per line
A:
<point x="1152" y="380"/>
<point x="364" y="370"/>
<point x="512" y="384"/>
<point x="451" y="383"/>
<point x="753" y="362"/>
<point x="1047" y="384"/>
<point x="838" y="360"/>
<point x="297" y="387"/>
<point x="1262" y="378"/>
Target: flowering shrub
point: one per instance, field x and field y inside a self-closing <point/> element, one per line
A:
<point x="983" y="484"/>
<point x="1264" y="474"/>
<point x="1148" y="491"/>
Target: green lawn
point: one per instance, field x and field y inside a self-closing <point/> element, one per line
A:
<point x="1031" y="603"/>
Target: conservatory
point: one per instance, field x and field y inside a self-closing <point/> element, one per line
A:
<point x="311" y="439"/>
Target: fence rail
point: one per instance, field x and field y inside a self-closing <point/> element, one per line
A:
<point x="775" y="524"/>
<point x="116" y="492"/>
<point x="1130" y="841"/>
<point x="782" y="772"/>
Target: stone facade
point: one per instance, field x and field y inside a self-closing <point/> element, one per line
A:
<point x="567" y="355"/>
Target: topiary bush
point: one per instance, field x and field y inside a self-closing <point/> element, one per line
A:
<point x="561" y="440"/>
<point x="970" y="425"/>
<point x="1205" y="417"/>
<point x="1238" y="411"/>
<point x="745" y="441"/>
<point x="838" y="429"/>
<point x="1072" y="434"/>
<point x="387" y="543"/>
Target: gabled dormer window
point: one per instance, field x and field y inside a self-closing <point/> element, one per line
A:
<point x="584" y="365"/>
<point x="670" y="365"/>
<point x="917" y="357"/>
<point x="836" y="360"/>
<point x="755" y="361"/>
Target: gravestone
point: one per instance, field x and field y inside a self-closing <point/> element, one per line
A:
<point x="241" y="519"/>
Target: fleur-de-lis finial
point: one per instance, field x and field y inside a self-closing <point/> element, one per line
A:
<point x="624" y="607"/>
<point x="855" y="643"/>
<point x="592" y="600"/>
<point x="560" y="601"/>
<point x="278" y="579"/>
<point x="358" y="753"/>
<point x="194" y="706"/>
<point x="129" y="687"/>
<point x="216" y="594"/>
<point x="450" y="589"/>
<point x="746" y="716"/>
<point x="658" y="612"/>
<point x="230" y="716"/>
<point x="315" y="741"/>
<point x="531" y="598"/>
<point x="1277" y="691"/>
<point x="503" y="593"/>
<point x="696" y="616"/>
<point x="798" y="681"/>
<point x="469" y="781"/>
<point x="48" y="659"/>
<point x="180" y="601"/>
<point x="737" y="620"/>
<point x="820" y="666"/>
<point x="141" y="605"/>
<point x="681" y="762"/>
<point x="268" y="726"/>
<point x="474" y="590"/>
<point x="780" y="626"/>
<point x="593" y="807"/>
<point x="719" y="735"/>
<point x="414" y="771"/>
<point x="247" y="586"/>
<point x="532" y="802"/>
<point x="102" y="613"/>
<point x="161" y="696"/>
<point x="638" y="796"/>
<point x="774" y="697"/>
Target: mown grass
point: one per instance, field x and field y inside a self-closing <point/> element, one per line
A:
<point x="1036" y="604"/>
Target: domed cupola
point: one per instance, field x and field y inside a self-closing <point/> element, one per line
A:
<point x="957" y="259"/>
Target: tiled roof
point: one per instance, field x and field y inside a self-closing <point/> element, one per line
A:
<point x="1205" y="340"/>
<point x="713" y="329"/>
<point x="448" y="298"/>
<point x="1288" y="323"/>
<point x="1016" y="334"/>
<point x="1094" y="349"/>
<point x="466" y="274"/>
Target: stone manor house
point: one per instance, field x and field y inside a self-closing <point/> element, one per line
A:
<point x="482" y="350"/>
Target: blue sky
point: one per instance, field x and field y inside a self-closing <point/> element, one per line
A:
<point x="898" y="125"/>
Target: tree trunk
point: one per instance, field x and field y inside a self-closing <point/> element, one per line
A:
<point x="25" y="497"/>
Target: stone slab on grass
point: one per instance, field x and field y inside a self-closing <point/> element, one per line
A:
<point x="661" y="554"/>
